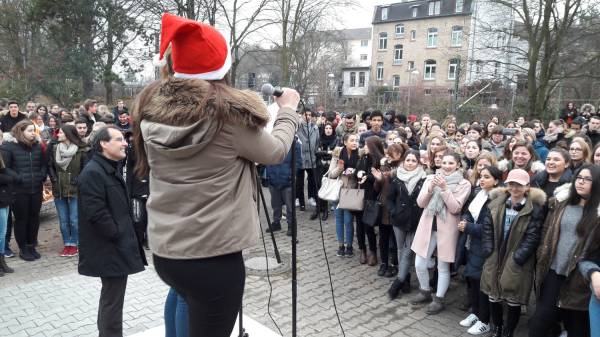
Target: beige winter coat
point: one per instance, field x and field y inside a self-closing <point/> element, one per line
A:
<point x="203" y="186"/>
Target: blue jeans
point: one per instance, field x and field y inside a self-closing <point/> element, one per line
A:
<point x="3" y="223"/>
<point x="343" y="226"/>
<point x="595" y="316"/>
<point x="176" y="315"/>
<point x="67" y="216"/>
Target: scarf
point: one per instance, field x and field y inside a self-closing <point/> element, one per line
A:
<point x="477" y="204"/>
<point x="410" y="178"/>
<point x="64" y="154"/>
<point x="328" y="142"/>
<point x="436" y="206"/>
<point x="351" y="161"/>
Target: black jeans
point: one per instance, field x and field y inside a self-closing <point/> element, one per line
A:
<point x="362" y="230"/>
<point x="110" y="308"/>
<point x="575" y="322"/>
<point x="387" y="245"/>
<point x="212" y="287"/>
<point x="9" y="226"/>
<point x="26" y="209"/>
<point x="479" y="301"/>
<point x="312" y="186"/>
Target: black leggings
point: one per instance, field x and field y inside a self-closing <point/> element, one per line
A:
<point x="312" y="187"/>
<point x="387" y="245"/>
<point x="512" y="316"/>
<point x="26" y="209"/>
<point x="212" y="288"/>
<point x="575" y="322"/>
<point x="480" y="302"/>
<point x="362" y="230"/>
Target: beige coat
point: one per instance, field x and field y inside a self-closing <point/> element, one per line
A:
<point x="203" y="186"/>
<point x="447" y="231"/>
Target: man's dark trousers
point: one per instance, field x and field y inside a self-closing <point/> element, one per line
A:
<point x="110" y="309"/>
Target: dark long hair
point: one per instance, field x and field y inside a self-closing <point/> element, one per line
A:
<point x="376" y="150"/>
<point x="71" y="134"/>
<point x="590" y="211"/>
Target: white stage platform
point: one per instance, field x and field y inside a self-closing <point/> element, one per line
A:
<point x="253" y="328"/>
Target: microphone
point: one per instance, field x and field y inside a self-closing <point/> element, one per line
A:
<point x="268" y="90"/>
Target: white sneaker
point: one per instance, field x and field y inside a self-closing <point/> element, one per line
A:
<point x="479" y="328"/>
<point x="312" y="202"/>
<point x="297" y="202"/>
<point x="469" y="321"/>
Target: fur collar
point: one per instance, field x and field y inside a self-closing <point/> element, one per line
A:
<point x="536" y="195"/>
<point x="182" y="102"/>
<point x="562" y="192"/>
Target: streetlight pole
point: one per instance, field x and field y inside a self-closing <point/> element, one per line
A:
<point x="513" y="86"/>
<point x="416" y="73"/>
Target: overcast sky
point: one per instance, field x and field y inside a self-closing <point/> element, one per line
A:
<point x="361" y="16"/>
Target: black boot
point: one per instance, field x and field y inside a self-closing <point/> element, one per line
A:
<point x="382" y="269"/>
<point x="275" y="226"/>
<point x="3" y="266"/>
<point x="325" y="215"/>
<point x="25" y="254"/>
<point x="395" y="289"/>
<point x="497" y="331"/>
<point x="34" y="252"/>
<point x="314" y="215"/>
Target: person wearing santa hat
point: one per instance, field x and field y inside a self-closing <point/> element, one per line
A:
<point x="199" y="138"/>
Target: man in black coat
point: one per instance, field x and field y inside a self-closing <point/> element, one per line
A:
<point x="12" y="117"/>
<point x="108" y="245"/>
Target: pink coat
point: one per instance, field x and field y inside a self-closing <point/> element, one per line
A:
<point x="447" y="231"/>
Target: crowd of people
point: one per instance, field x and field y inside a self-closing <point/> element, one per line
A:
<point x="512" y="206"/>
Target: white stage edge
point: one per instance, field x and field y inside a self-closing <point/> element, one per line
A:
<point x="252" y="327"/>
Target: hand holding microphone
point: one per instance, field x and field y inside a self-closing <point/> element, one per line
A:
<point x="284" y="97"/>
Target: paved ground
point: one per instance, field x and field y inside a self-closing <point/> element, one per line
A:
<point x="48" y="298"/>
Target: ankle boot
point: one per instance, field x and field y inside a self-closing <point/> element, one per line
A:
<point x="34" y="252"/>
<point x="363" y="256"/>
<point x="325" y="215"/>
<point x="394" y="290"/>
<point x="436" y="306"/>
<point x="422" y="297"/>
<point x="3" y="266"/>
<point x="371" y="258"/>
<point x="314" y="215"/>
<point x="25" y="254"/>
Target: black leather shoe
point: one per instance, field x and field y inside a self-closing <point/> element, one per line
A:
<point x="324" y="216"/>
<point x="314" y="216"/>
<point x="276" y="226"/>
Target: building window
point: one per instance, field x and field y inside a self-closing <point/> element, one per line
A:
<point x="459" y="6"/>
<point x="251" y="80"/>
<point x="352" y="79"/>
<point x="428" y="92"/>
<point x="411" y="65"/>
<point x="400" y="30"/>
<point x="413" y="35"/>
<point x="415" y="11"/>
<point x="396" y="81"/>
<point x="361" y="79"/>
<point x="453" y="69"/>
<point x="457" y="36"/>
<point x="380" y="71"/>
<point x="364" y="43"/>
<point x="384" y="13"/>
<point x="434" y="7"/>
<point x="398" y="50"/>
<point x="432" y="35"/>
<point x="363" y="57"/>
<point x="382" y="41"/>
<point x="430" y="68"/>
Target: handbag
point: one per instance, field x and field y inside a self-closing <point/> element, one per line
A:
<point x="330" y="188"/>
<point x="352" y="199"/>
<point x="372" y="212"/>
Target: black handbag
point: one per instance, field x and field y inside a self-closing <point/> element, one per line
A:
<point x="372" y="212"/>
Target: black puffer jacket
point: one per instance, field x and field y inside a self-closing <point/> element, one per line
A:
<point x="27" y="165"/>
<point x="404" y="210"/>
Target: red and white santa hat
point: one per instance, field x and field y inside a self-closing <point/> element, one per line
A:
<point x="197" y="49"/>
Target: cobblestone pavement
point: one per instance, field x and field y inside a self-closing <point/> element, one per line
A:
<point x="48" y="298"/>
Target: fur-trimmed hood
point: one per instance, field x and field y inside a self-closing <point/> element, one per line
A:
<point x="181" y="113"/>
<point x="563" y="192"/>
<point x="536" y="195"/>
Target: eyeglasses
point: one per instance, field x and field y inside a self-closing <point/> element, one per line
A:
<point x="584" y="179"/>
<point x="575" y="149"/>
